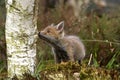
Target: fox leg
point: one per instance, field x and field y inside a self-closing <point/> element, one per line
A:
<point x="57" y="59"/>
<point x="71" y="54"/>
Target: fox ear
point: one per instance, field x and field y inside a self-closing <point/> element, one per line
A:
<point x="60" y="26"/>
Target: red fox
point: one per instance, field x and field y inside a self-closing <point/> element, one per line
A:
<point x="72" y="44"/>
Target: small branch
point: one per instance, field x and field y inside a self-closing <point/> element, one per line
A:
<point x="102" y="41"/>
<point x="90" y="59"/>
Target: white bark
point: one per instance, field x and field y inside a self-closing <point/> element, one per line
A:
<point x="21" y="33"/>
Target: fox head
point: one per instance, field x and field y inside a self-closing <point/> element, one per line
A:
<point x="54" y="31"/>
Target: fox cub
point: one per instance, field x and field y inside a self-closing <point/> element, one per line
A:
<point x="72" y="44"/>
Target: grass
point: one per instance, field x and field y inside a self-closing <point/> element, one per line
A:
<point x="101" y="37"/>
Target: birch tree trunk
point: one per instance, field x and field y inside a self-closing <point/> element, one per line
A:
<point x="21" y="33"/>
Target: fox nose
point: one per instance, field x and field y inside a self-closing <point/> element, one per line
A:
<point x="40" y="33"/>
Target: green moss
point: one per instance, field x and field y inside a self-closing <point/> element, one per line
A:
<point x="86" y="72"/>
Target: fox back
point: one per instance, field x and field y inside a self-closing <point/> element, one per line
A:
<point x="72" y="44"/>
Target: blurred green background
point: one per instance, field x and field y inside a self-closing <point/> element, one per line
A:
<point x="99" y="30"/>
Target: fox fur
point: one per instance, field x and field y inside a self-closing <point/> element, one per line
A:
<point x="72" y="44"/>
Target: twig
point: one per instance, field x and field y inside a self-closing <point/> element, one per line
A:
<point x="90" y="59"/>
<point x="102" y="41"/>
